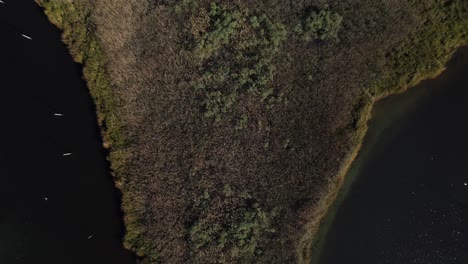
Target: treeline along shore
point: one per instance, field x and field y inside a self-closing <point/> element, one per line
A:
<point x="231" y="124"/>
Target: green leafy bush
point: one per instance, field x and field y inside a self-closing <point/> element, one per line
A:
<point x="320" y="25"/>
<point x="241" y="238"/>
<point x="235" y="52"/>
<point x="223" y="24"/>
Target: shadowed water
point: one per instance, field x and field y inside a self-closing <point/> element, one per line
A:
<point x="408" y="200"/>
<point x="53" y="208"/>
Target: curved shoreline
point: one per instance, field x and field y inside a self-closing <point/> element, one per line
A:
<point x="312" y="246"/>
<point x="65" y="205"/>
<point x="85" y="50"/>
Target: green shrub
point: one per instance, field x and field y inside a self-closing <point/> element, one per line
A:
<point x="250" y="43"/>
<point x="320" y="25"/>
<point x="202" y="233"/>
<point x="216" y="103"/>
<point x="223" y="24"/>
<point x="242" y="122"/>
<point x="241" y="237"/>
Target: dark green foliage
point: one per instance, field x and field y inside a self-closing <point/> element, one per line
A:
<point x="223" y="24"/>
<point x="202" y="233"/>
<point x="216" y="103"/>
<point x="242" y="123"/>
<point x="239" y="48"/>
<point x="321" y="24"/>
<point x="239" y="238"/>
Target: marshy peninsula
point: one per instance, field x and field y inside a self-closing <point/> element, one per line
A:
<point x="231" y="125"/>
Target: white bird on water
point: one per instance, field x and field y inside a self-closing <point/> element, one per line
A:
<point x="45" y="198"/>
<point x="89" y="237"/>
<point x="58" y="114"/>
<point x="26" y="36"/>
<point x="66" y="154"/>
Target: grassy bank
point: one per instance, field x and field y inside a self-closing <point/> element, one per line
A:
<point x="73" y="19"/>
<point x="309" y="241"/>
<point x="231" y="126"/>
<point x="84" y="47"/>
<point x="423" y="56"/>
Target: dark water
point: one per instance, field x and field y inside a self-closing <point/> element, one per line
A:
<point x="38" y="78"/>
<point x="409" y="201"/>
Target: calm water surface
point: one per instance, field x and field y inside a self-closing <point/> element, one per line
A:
<point x="50" y="205"/>
<point x="408" y="201"/>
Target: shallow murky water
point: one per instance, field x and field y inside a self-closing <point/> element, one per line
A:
<point x="408" y="201"/>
